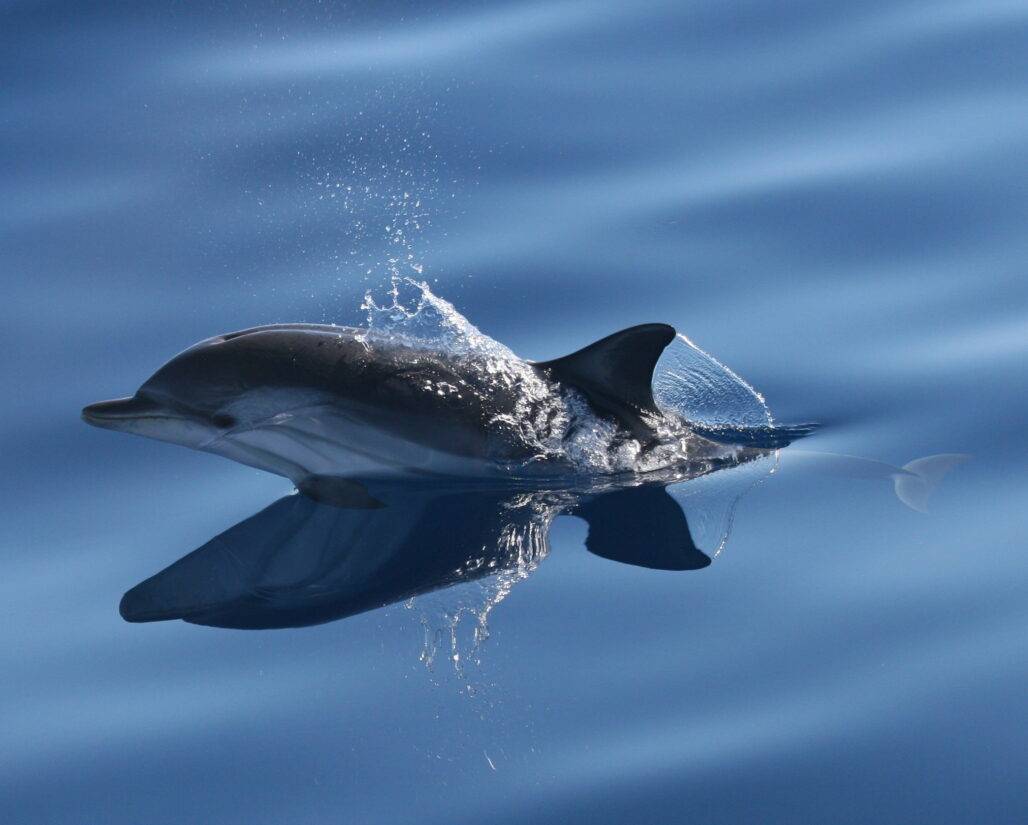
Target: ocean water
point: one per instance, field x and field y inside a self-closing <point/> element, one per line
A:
<point x="830" y="198"/>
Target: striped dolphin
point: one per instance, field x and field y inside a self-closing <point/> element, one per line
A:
<point x="323" y="404"/>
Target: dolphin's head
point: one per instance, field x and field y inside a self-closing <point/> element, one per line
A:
<point x="185" y="402"/>
<point x="142" y="414"/>
<point x="192" y="400"/>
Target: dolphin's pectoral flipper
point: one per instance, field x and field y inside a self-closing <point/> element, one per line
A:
<point x="643" y="526"/>
<point x="615" y="374"/>
<point x="338" y="491"/>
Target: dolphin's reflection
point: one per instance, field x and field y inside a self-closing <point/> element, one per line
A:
<point x="302" y="562"/>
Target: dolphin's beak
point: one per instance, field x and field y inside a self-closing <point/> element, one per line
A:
<point x="114" y="415"/>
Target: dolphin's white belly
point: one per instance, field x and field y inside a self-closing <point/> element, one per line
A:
<point x="321" y="441"/>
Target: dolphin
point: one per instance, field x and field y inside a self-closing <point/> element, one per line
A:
<point x="325" y="405"/>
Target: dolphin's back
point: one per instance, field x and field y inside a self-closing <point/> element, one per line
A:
<point x="318" y="399"/>
<point x="307" y="400"/>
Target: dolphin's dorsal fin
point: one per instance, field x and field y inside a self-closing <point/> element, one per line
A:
<point x="615" y="374"/>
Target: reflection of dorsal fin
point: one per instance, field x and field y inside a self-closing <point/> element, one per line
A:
<point x="616" y="373"/>
<point x="642" y="526"/>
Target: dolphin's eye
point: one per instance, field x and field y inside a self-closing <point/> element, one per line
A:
<point x="223" y="421"/>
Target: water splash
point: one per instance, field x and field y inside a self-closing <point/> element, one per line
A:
<point x="455" y="622"/>
<point x="693" y="386"/>
<point x="374" y="199"/>
<point x="415" y="316"/>
<point x="696" y="387"/>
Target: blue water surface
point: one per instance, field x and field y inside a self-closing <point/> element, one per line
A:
<point x="830" y="197"/>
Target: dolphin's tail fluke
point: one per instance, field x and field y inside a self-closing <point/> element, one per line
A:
<point x="921" y="476"/>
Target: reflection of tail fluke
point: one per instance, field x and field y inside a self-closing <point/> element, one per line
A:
<point x="921" y="476"/>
